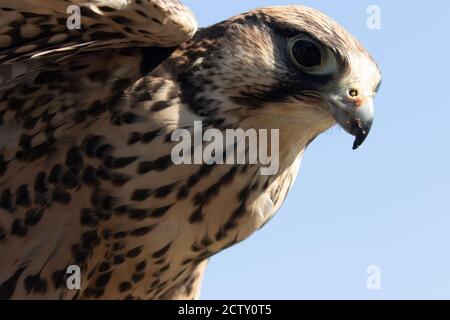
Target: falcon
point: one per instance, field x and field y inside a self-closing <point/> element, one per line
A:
<point x="86" y="120"/>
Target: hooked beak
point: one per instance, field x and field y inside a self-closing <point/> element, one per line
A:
<point x="354" y="114"/>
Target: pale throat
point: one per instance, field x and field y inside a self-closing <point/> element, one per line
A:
<point x="298" y="126"/>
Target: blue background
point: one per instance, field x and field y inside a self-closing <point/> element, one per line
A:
<point x="386" y="204"/>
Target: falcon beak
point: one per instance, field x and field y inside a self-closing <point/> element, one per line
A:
<point x="354" y="114"/>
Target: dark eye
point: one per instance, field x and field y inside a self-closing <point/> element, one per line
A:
<point x="306" y="53"/>
<point x="311" y="56"/>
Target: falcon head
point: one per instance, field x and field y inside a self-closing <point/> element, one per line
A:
<point x="292" y="63"/>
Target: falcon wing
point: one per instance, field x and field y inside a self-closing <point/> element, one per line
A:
<point x="39" y="31"/>
<point x="55" y="84"/>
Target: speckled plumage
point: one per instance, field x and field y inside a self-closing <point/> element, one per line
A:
<point x="86" y="176"/>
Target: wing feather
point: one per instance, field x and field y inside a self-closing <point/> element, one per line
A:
<point x="34" y="30"/>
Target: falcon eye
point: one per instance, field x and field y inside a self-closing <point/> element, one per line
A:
<point x="306" y="53"/>
<point x="311" y="56"/>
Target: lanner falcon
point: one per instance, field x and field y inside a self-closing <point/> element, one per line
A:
<point x="86" y="118"/>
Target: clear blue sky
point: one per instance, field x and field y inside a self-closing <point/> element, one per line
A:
<point x="386" y="204"/>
